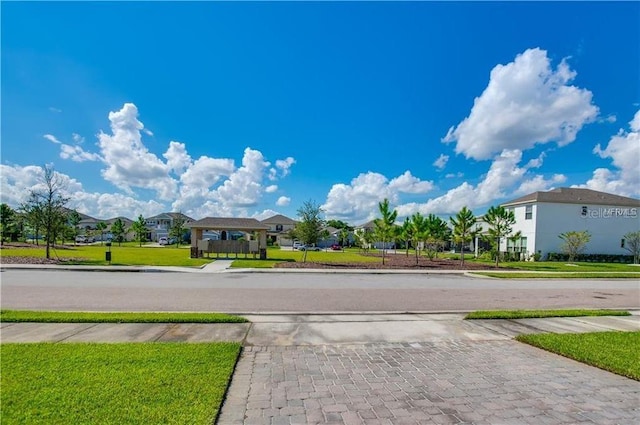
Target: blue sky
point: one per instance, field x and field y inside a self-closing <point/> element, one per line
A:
<point x="251" y="109"/>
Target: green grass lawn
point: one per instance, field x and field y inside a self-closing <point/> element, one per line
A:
<point x="90" y="317"/>
<point x="561" y="275"/>
<point x="617" y="352"/>
<point x="529" y="314"/>
<point x="552" y="266"/>
<point x="128" y="255"/>
<point x="152" y="383"/>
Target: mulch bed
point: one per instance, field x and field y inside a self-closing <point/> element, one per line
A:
<point x="392" y="261"/>
<point x="8" y="259"/>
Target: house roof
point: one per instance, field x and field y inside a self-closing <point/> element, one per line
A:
<point x="570" y="195"/>
<point x="278" y="219"/>
<point x="170" y="216"/>
<point x="368" y="225"/>
<point x="228" y="223"/>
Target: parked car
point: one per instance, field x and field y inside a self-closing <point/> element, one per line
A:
<point x="81" y="239"/>
<point x="309" y="248"/>
<point x="163" y="241"/>
<point x="336" y="247"/>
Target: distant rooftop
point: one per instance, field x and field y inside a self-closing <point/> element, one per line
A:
<point x="570" y="195"/>
<point x="228" y="223"/>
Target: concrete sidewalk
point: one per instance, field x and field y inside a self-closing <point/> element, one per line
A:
<point x="296" y="330"/>
<point x="390" y="368"/>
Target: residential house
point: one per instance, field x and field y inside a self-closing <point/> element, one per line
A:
<point x="160" y="225"/>
<point x="279" y="228"/>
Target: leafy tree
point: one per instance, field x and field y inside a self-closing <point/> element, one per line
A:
<point x="101" y="226"/>
<point x="463" y="229"/>
<point x="33" y="218"/>
<point x="45" y="206"/>
<point x="406" y="233"/>
<point x="74" y="219"/>
<point x="574" y="242"/>
<point x="500" y="221"/>
<point x="364" y="238"/>
<point x="632" y="244"/>
<point x="309" y="229"/>
<point x="436" y="235"/>
<point x="385" y="224"/>
<point x="418" y="231"/>
<point x="339" y="224"/>
<point x="139" y="228"/>
<point x="178" y="228"/>
<point x="7" y="221"/>
<point x="344" y="236"/>
<point x="118" y="231"/>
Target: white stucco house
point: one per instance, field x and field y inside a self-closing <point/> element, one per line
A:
<point x="542" y="216"/>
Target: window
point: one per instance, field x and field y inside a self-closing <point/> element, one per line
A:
<point x="278" y="227"/>
<point x="519" y="245"/>
<point x="528" y="212"/>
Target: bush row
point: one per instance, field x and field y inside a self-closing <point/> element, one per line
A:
<point x="592" y="258"/>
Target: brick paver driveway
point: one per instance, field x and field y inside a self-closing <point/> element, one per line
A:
<point x="447" y="382"/>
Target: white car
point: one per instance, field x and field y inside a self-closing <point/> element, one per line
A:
<point x="163" y="241"/>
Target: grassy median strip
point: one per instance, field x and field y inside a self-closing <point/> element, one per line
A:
<point x="535" y="314"/>
<point x="151" y="383"/>
<point x="98" y="317"/>
<point x="617" y="352"/>
<point x="561" y="275"/>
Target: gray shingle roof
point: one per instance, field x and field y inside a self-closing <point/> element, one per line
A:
<point x="278" y="219"/>
<point x="228" y="223"/>
<point x="570" y="195"/>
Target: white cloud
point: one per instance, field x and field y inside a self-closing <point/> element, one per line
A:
<point x="177" y="157"/>
<point x="77" y="138"/>
<point x="526" y="102"/>
<point x="244" y="186"/>
<point x="77" y="154"/>
<point x="539" y="183"/>
<point x="407" y="183"/>
<point x="624" y="151"/>
<point x="56" y="110"/>
<point x="129" y="163"/>
<point x="52" y="138"/>
<point x="272" y="188"/>
<point x="147" y="132"/>
<point x="441" y="162"/>
<point x="284" y="165"/>
<point x="504" y="178"/>
<point x="283" y="201"/>
<point x="359" y="200"/>
<point x="453" y="175"/>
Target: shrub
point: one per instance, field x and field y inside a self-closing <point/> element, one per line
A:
<point x="592" y="258"/>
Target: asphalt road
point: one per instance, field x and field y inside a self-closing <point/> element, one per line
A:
<point x="293" y="292"/>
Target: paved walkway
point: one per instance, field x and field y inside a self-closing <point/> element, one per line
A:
<point x="391" y="369"/>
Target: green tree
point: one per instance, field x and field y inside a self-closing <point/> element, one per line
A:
<point x="436" y="235"/>
<point x="74" y="219"/>
<point x="418" y="232"/>
<point x="463" y="229"/>
<point x="118" y="231"/>
<point x="574" y="242"/>
<point x="500" y="221"/>
<point x="310" y="226"/>
<point x="7" y="221"/>
<point x="178" y="228"/>
<point x="385" y="224"/>
<point x="101" y="226"/>
<point x="632" y="244"/>
<point x="406" y="234"/>
<point x="339" y="224"/>
<point x="139" y="228"/>
<point x="364" y="238"/>
<point x="46" y="206"/>
<point x="344" y="236"/>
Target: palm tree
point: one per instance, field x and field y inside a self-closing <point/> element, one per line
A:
<point x="463" y="231"/>
<point x="500" y="221"/>
<point x="385" y="224"/>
